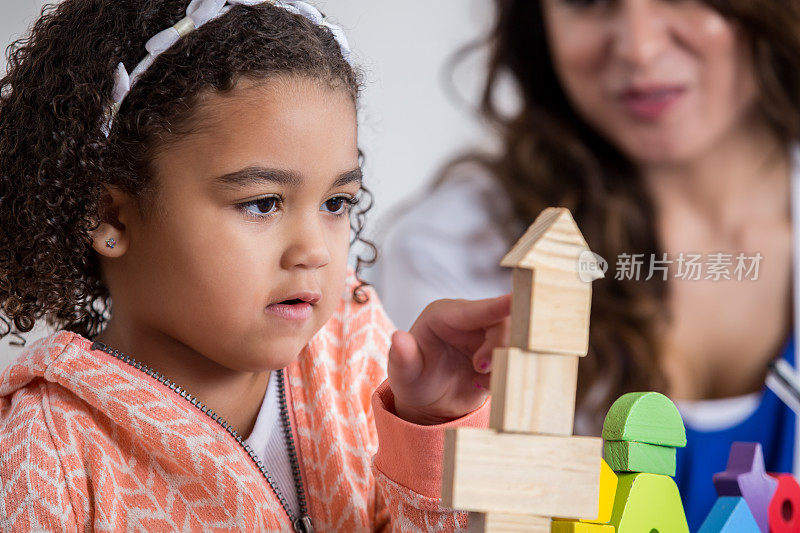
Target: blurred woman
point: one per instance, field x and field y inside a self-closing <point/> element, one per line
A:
<point x="669" y="129"/>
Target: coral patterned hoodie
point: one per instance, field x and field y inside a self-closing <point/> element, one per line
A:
<point x="90" y="442"/>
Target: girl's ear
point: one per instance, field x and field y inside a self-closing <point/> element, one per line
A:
<point x="111" y="238"/>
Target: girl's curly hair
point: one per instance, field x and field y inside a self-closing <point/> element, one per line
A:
<point x="55" y="157"/>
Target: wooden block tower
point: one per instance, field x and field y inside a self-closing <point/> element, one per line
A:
<point x="528" y="467"/>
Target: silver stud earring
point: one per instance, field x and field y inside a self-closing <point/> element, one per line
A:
<point x="111" y="242"/>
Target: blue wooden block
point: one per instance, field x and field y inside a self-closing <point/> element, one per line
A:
<point x="730" y="514"/>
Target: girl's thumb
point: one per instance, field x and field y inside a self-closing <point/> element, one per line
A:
<point x="405" y="358"/>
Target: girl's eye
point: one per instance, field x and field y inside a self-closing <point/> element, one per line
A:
<point x="262" y="207"/>
<point x="339" y="205"/>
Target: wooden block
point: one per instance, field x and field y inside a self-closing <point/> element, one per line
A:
<point x="647" y="502"/>
<point x="608" y="490"/>
<point x="572" y="526"/>
<point x="745" y="476"/>
<point x="784" y="509"/>
<point x="640" y="457"/>
<point x="507" y="523"/>
<point x="551" y="304"/>
<point x="521" y="299"/>
<point x="556" y="317"/>
<point x="647" y="417"/>
<point x="533" y="393"/>
<point x="730" y="514"/>
<point x="510" y="473"/>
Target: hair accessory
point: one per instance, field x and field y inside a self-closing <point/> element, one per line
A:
<point x="198" y="12"/>
<point x="110" y="242"/>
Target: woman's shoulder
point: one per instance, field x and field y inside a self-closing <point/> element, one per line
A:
<point x="467" y="199"/>
<point x="446" y="244"/>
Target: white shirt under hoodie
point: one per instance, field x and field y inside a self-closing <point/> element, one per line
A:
<point x="268" y="441"/>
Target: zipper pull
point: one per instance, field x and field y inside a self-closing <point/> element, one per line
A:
<point x="304" y="525"/>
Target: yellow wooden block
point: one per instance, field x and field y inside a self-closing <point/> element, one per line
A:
<point x="488" y="471"/>
<point x="573" y="526"/>
<point x="550" y="305"/>
<point x="533" y="393"/>
<point x="608" y="490"/>
<point x="507" y="523"/>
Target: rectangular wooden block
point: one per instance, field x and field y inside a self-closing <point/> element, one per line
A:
<point x="510" y="473"/>
<point x="608" y="491"/>
<point x="533" y="393"/>
<point x="507" y="523"/>
<point x="624" y="456"/>
<point x="550" y="311"/>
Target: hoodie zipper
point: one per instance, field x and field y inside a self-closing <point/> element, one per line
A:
<point x="302" y="524"/>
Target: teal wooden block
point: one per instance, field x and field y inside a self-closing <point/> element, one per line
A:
<point x="730" y="514"/>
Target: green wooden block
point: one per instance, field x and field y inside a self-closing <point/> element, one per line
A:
<point x="624" y="456"/>
<point x="647" y="417"/>
<point x="648" y="502"/>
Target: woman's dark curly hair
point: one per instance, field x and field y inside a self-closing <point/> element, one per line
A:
<point x="55" y="157"/>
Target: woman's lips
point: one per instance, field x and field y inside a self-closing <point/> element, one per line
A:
<point x="652" y="102"/>
<point x="291" y="311"/>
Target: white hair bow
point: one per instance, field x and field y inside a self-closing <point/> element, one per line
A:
<point x="198" y="13"/>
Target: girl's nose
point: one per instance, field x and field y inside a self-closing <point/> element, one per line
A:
<point x="307" y="247"/>
<point x="640" y="31"/>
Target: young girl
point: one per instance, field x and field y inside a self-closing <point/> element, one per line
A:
<point x="184" y="221"/>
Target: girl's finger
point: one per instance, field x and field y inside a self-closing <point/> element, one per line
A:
<point x="482" y="360"/>
<point x="482" y="381"/>
<point x="495" y="337"/>
<point x="405" y="359"/>
<point x="478" y="314"/>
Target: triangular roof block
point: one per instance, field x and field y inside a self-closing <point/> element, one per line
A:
<point x="552" y="241"/>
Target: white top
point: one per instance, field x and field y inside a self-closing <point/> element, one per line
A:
<point x="449" y="245"/>
<point x="269" y="442"/>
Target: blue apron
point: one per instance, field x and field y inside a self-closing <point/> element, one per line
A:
<point x="772" y="424"/>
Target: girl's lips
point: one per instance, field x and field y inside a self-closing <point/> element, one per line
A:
<point x="291" y="311"/>
<point x="652" y="102"/>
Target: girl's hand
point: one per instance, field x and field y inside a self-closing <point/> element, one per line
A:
<point x="440" y="370"/>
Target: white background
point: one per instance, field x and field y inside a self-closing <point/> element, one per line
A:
<point x="409" y="124"/>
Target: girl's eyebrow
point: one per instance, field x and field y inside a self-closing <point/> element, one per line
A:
<point x="260" y="175"/>
<point x="351" y="176"/>
<point x="256" y="176"/>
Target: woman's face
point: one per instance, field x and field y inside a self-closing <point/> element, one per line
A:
<point x="663" y="80"/>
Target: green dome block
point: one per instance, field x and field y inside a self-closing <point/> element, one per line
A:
<point x="647" y="417"/>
